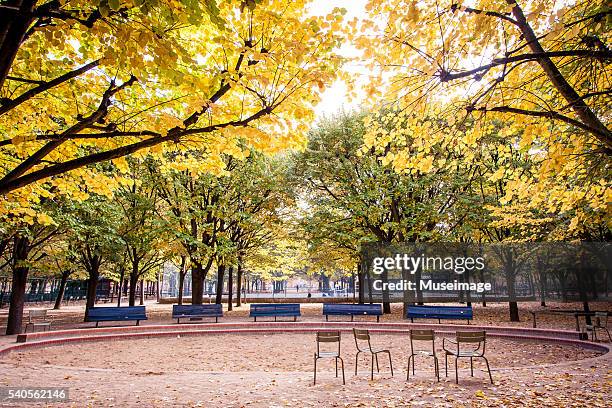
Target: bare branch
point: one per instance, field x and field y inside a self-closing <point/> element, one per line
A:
<point x="9" y="104"/>
<point x="446" y="76"/>
<point x="541" y="114"/>
<point x="83" y="123"/>
<point x="503" y="16"/>
<point x="54" y="170"/>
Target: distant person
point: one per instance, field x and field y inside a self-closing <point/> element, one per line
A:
<point x="309" y="295"/>
<point x="297" y="288"/>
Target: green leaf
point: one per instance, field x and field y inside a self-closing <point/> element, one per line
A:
<point x="114" y="4"/>
<point x="214" y="13"/>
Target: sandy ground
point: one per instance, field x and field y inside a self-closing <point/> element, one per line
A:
<point x="276" y="370"/>
<point x="273" y="352"/>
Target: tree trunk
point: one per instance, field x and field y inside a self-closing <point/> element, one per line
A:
<point x="509" y="262"/>
<point x="21" y="250"/>
<point x="220" y="276"/>
<point x="484" y="296"/>
<point x="581" y="277"/>
<point x="468" y="292"/>
<point x="198" y="277"/>
<point x="385" y="293"/>
<point x="121" y="283"/>
<point x="158" y="284"/>
<point x="12" y="30"/>
<point x="369" y="280"/>
<point x="512" y="303"/>
<point x="239" y="282"/>
<point x="92" y="284"/>
<point x="133" y="283"/>
<point x="543" y="288"/>
<point x="142" y="288"/>
<point x="197" y="282"/>
<point x="182" y="273"/>
<point x="361" y="278"/>
<point x="62" y="289"/>
<point x="230" y="287"/>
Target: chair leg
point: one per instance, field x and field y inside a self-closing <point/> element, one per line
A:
<point x="356" y="360"/>
<point x="608" y="331"/>
<point x="336" y="367"/>
<point x="456" y="370"/>
<point x="471" y="366"/>
<point x="343" y="379"/>
<point x="376" y="357"/>
<point x="372" y="368"/>
<point x="488" y="369"/>
<point x="445" y="365"/>
<point x="390" y="363"/>
<point x="436" y="368"/>
<point x="315" y="371"/>
<point x="408" y="369"/>
<point x="413" y="360"/>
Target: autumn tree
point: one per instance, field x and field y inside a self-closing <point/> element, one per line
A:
<point x="350" y="175"/>
<point x="23" y="244"/>
<point x="539" y="67"/>
<point x="84" y="82"/>
<point x="141" y="227"/>
<point x="93" y="227"/>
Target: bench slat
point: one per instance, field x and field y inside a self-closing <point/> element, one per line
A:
<point x="110" y="314"/>
<point x="440" y="312"/>
<point x="196" y="311"/>
<point x="350" y="309"/>
<point x="274" y="310"/>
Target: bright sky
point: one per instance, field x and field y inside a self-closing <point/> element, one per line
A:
<point x="335" y="98"/>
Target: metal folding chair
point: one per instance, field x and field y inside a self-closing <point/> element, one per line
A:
<point x="328" y="337"/>
<point x="364" y="336"/>
<point x="471" y="337"/>
<point x="423" y="335"/>
<point x="600" y="322"/>
<point x="38" y="318"/>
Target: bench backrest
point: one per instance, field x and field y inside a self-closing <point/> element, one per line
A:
<point x="214" y="309"/>
<point x="117" y="313"/>
<point x="274" y="308"/>
<point x="350" y="308"/>
<point x="442" y="312"/>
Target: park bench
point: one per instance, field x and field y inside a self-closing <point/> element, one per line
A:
<point x="275" y="309"/>
<point x="117" y="314"/>
<point x="197" y="312"/>
<point x="561" y="312"/>
<point x="348" y="309"/>
<point x="439" y="312"/>
<point x="38" y="318"/>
